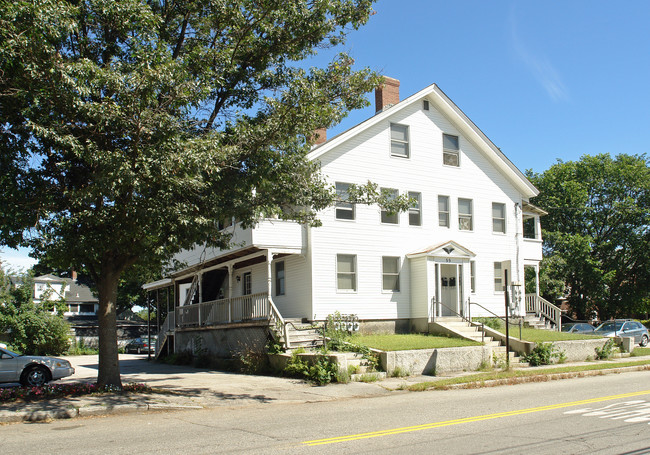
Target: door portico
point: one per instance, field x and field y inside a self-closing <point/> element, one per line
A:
<point x="446" y="270"/>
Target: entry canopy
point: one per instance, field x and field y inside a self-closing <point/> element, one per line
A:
<point x="448" y="249"/>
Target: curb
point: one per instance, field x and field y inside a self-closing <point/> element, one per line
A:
<point x="87" y="411"/>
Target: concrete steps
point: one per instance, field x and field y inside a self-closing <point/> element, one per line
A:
<point x="465" y="330"/>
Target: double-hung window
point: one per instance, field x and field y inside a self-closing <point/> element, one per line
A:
<point x="279" y="278"/>
<point x="472" y="276"/>
<point x="415" y="209"/>
<point x="386" y="216"/>
<point x="390" y="273"/>
<point x="247" y="284"/>
<point x="498" y="277"/>
<point x="346" y="272"/>
<point x="443" y="211"/>
<point x="344" y="209"/>
<point x="450" y="150"/>
<point x="399" y="140"/>
<point x="465" y="222"/>
<point x="498" y="218"/>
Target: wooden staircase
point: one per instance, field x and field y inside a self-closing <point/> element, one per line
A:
<point x="303" y="335"/>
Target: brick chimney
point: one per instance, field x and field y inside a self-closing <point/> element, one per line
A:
<point x="74" y="275"/>
<point x="320" y="136"/>
<point x="387" y="94"/>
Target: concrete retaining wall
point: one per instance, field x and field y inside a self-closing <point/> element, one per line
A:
<point x="579" y="351"/>
<point x="437" y="361"/>
<point x="223" y="342"/>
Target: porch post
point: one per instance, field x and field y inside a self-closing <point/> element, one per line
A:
<point x="269" y="281"/>
<point x="229" y="292"/>
<point x="200" y="284"/>
<point x="536" y="280"/>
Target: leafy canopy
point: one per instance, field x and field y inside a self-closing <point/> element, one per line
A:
<point x="597" y="232"/>
<point x="130" y="128"/>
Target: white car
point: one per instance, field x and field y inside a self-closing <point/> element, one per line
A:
<point x="31" y="370"/>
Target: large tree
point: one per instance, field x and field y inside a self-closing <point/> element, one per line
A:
<point x="131" y="127"/>
<point x="597" y="232"/>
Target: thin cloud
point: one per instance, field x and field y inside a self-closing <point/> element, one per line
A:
<point x="540" y="66"/>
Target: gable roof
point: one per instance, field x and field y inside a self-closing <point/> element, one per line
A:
<point x="458" y="118"/>
<point x="450" y="249"/>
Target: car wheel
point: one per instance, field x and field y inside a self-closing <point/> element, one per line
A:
<point x="35" y="376"/>
<point x="644" y="341"/>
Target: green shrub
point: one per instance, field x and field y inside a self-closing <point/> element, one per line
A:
<point x="35" y="331"/>
<point x="606" y="351"/>
<point x="399" y="372"/>
<point x="544" y="354"/>
<point x="321" y="371"/>
<point x="81" y="348"/>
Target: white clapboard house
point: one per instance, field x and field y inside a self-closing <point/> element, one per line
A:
<point x="447" y="256"/>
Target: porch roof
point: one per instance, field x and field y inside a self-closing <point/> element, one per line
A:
<point x="528" y="207"/>
<point x="449" y="248"/>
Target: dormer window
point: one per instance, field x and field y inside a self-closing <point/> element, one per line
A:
<point x="450" y="150"/>
<point x="399" y="140"/>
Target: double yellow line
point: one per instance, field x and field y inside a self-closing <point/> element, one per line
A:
<point x="429" y="426"/>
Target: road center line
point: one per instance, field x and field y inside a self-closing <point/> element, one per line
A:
<point x="428" y="426"/>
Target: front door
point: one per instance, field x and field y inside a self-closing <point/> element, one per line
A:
<point x="449" y="289"/>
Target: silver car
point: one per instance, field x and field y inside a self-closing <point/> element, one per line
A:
<point x="31" y="370"/>
<point x="624" y="328"/>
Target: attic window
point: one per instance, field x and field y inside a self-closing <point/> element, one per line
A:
<point x="450" y="150"/>
<point x="425" y="105"/>
<point x="399" y="140"/>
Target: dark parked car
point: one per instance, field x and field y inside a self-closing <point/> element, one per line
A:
<point x="139" y="346"/>
<point x="577" y="327"/>
<point x="32" y="370"/>
<point x="624" y="328"/>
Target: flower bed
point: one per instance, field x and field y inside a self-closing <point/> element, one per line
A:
<point x="49" y="391"/>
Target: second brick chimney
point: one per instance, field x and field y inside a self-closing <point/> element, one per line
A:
<point x="320" y="136"/>
<point x="387" y="94"/>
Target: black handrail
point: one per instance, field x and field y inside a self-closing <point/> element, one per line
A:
<point x="492" y="313"/>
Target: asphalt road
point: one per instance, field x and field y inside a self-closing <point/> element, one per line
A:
<point x="595" y="415"/>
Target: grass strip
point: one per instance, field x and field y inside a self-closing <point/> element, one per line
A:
<point x="405" y="342"/>
<point x="479" y="380"/>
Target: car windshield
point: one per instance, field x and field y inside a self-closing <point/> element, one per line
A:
<point x="610" y="327"/>
<point x="11" y="353"/>
<point x="567" y="327"/>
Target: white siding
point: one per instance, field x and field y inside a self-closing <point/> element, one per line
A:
<point x="295" y="303"/>
<point x="367" y="157"/>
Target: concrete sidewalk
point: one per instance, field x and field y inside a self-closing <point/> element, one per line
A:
<point x="190" y="388"/>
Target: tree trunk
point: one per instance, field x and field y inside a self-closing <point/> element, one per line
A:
<point x="109" y="367"/>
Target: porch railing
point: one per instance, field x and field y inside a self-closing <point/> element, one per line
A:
<point x="542" y="307"/>
<point x="224" y="311"/>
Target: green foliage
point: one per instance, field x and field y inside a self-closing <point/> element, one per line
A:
<point x="32" y="328"/>
<point x="399" y="372"/>
<point x="544" y="354"/>
<point x="595" y="234"/>
<point x="606" y="351"/>
<point x="80" y="348"/>
<point x="131" y="128"/>
<point x="321" y="371"/>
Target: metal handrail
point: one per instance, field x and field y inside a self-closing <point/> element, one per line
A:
<point x="469" y="321"/>
<point x="493" y="314"/>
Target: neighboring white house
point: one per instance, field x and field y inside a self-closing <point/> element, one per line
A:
<point x="79" y="299"/>
<point x="471" y="225"/>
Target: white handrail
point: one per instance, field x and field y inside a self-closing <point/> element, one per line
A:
<point x="542" y="307"/>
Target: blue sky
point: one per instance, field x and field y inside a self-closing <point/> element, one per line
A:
<point x="544" y="80"/>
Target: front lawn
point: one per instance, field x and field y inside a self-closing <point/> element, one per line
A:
<point x="408" y="342"/>
<point x="538" y="335"/>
